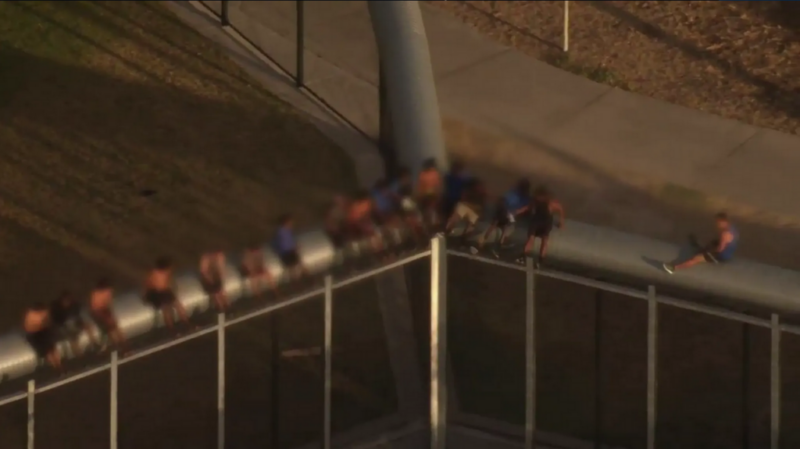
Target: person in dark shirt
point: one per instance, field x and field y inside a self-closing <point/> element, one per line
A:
<point x="385" y="206"/>
<point x="455" y="181"/>
<point x="469" y="208"/>
<point x="285" y="245"/>
<point x="66" y="317"/>
<point x="508" y="209"/>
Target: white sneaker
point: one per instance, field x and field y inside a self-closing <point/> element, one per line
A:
<point x="473" y="250"/>
<point x="668" y="268"/>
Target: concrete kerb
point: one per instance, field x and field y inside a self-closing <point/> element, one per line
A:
<point x="393" y="300"/>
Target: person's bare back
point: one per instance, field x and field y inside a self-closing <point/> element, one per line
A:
<point x="36" y="320"/>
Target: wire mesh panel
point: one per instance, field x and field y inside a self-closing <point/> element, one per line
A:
<point x="269" y="26"/>
<point x="418" y="287"/>
<point x="363" y="384"/>
<point x="701" y="379"/>
<point x="12" y="425"/>
<point x="168" y="399"/>
<point x="487" y="338"/>
<point x="342" y="60"/>
<point x="790" y="388"/>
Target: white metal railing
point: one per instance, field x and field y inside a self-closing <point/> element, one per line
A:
<point x="438" y="342"/>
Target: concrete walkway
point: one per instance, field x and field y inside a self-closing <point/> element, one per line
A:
<point x="500" y="89"/>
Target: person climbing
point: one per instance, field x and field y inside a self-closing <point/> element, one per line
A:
<point x="509" y="208"/>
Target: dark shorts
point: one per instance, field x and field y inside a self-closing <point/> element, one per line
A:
<point x="43" y="342"/>
<point x="337" y="237"/>
<point x="212" y="286"/>
<point x="160" y="298"/>
<point x="105" y="320"/>
<point x="429" y="201"/>
<point x="290" y="259"/>
<point x="540" y="229"/>
<point x="500" y="217"/>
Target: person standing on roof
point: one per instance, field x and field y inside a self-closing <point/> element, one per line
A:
<point x="455" y="182"/>
<point x="719" y="250"/>
<point x="429" y="192"/>
<point x="509" y="207"/>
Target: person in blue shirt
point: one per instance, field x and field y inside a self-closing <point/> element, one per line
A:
<point x="285" y="245"/>
<point x="385" y="206"/>
<point x="455" y="181"/>
<point x="719" y="250"/>
<point x="508" y="209"/>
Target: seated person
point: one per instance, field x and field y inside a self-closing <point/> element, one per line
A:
<point x="429" y="192"/>
<point x="455" y="181"/>
<point x="508" y="209"/>
<point x="65" y="314"/>
<point x="159" y="292"/>
<point x="403" y="192"/>
<point x="285" y="245"/>
<point x="719" y="250"/>
<point x="384" y="204"/>
<point x="40" y="334"/>
<point x="335" y="221"/>
<point x="100" y="308"/>
<point x="359" y="219"/>
<point x="254" y="270"/>
<point x="212" y="272"/>
<point x="468" y="209"/>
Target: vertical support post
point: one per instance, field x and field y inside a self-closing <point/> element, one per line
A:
<point x="326" y="420"/>
<point x="31" y="409"/>
<point x="530" y="354"/>
<point x="598" y="371"/>
<point x="299" y="77"/>
<point x="113" y="408"/>
<point x="652" y="365"/>
<point x="224" y="17"/>
<point x="566" y="26"/>
<point x="775" y="383"/>
<point x="221" y="381"/>
<point x="275" y="361"/>
<point x="745" y="386"/>
<point x="438" y="342"/>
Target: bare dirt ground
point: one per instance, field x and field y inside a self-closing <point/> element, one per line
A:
<point x="739" y="60"/>
<point x="126" y="135"/>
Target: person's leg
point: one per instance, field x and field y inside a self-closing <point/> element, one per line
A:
<point x="543" y="248"/>
<point x="487" y="234"/>
<point x="530" y="242"/>
<point x="94" y="337"/>
<point x="166" y="313"/>
<point x="54" y="359"/>
<point x="696" y="259"/>
<point x="178" y="306"/>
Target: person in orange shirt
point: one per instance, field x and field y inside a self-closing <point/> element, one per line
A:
<point x="360" y="225"/>
<point x="429" y="191"/>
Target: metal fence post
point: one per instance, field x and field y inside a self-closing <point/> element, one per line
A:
<point x="274" y="398"/>
<point x="566" y="26"/>
<point x="438" y="342"/>
<point x="299" y="77"/>
<point x="775" y="383"/>
<point x="652" y="365"/>
<point x="225" y="19"/>
<point x="221" y="381"/>
<point x="598" y="372"/>
<point x="31" y="406"/>
<point x="114" y="401"/>
<point x="745" y="386"/>
<point x="326" y="420"/>
<point x="530" y="354"/>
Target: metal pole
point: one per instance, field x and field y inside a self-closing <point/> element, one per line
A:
<point x="326" y="421"/>
<point x="438" y="342"/>
<point x="224" y="15"/>
<point x="530" y="354"/>
<point x="598" y="376"/>
<point x="775" y="383"/>
<point x="31" y="405"/>
<point x="221" y="381"/>
<point x="114" y="401"/>
<point x="275" y="359"/>
<point x="566" y="26"/>
<point x="745" y="386"/>
<point x="299" y="77"/>
<point x="652" y="365"/>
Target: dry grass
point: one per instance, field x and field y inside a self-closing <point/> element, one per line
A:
<point x="739" y="60"/>
<point x="102" y="101"/>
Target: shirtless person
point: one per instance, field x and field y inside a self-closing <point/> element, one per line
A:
<point x="360" y="223"/>
<point x="158" y="292"/>
<point x="212" y="272"/>
<point x="542" y="211"/>
<point x="254" y="270"/>
<point x="429" y="192"/>
<point x="100" y="308"/>
<point x="40" y="335"/>
<point x="65" y="315"/>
